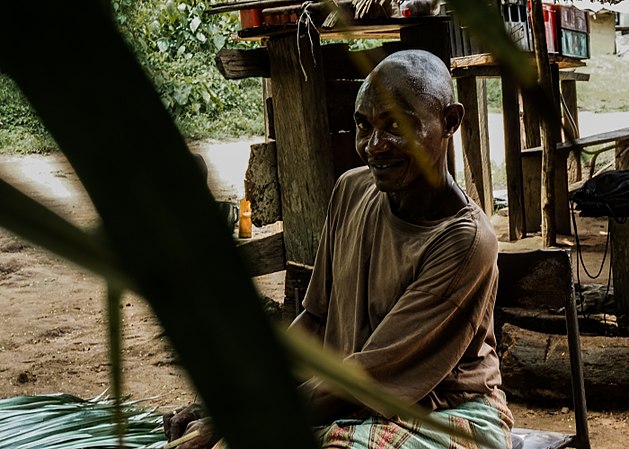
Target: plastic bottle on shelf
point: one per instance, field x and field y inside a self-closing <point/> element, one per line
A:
<point x="244" y="224"/>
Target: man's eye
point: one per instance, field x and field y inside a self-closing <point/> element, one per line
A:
<point x="362" y="125"/>
<point x="395" y="125"/>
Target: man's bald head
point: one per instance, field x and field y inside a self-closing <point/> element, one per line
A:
<point x="405" y="115"/>
<point x="415" y="71"/>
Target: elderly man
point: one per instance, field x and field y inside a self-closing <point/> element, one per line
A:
<point x="405" y="277"/>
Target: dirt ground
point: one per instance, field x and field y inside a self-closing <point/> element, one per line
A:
<point x="52" y="331"/>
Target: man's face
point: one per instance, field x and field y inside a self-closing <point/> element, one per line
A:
<point x="399" y="134"/>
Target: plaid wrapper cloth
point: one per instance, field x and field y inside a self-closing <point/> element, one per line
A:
<point x="487" y="420"/>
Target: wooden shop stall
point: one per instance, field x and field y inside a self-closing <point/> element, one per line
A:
<point x="310" y="88"/>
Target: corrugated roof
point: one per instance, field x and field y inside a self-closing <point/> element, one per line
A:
<point x="598" y="7"/>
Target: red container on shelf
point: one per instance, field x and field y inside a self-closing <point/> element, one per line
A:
<point x="550" y="24"/>
<point x="250" y="18"/>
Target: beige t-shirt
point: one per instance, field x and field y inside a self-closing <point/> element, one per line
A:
<point x="412" y="304"/>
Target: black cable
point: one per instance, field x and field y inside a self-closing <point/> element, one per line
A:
<point x="580" y="252"/>
<point x="582" y="263"/>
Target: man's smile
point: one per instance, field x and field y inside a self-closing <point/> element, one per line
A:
<point x="384" y="165"/>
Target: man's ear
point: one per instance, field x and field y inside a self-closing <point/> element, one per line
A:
<point x="452" y="116"/>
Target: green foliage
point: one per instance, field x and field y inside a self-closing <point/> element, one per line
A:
<point x="494" y="94"/>
<point x="62" y="421"/>
<point x="20" y="129"/>
<point x="176" y="43"/>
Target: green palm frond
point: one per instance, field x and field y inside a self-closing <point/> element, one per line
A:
<point x="63" y="421"/>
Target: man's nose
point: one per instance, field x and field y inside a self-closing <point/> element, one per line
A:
<point x="377" y="143"/>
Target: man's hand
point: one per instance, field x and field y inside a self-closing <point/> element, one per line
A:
<point x="207" y="435"/>
<point x="176" y="423"/>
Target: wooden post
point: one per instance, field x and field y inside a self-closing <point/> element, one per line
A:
<point x="620" y="259"/>
<point x="571" y="120"/>
<point x="475" y="140"/>
<point x="269" y="121"/>
<point x="304" y="155"/>
<point x="530" y="118"/>
<point x="560" y="177"/>
<point x="549" y="229"/>
<point x="531" y="167"/>
<point x="513" y="158"/>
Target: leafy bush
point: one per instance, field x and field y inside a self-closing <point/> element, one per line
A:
<point x="20" y="129"/>
<point x="176" y="42"/>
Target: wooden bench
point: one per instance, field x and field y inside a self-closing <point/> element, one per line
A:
<point x="536" y="281"/>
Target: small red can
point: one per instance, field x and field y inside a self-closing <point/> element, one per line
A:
<point x="250" y="18"/>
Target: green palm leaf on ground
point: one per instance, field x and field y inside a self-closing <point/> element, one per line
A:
<point x="63" y="421"/>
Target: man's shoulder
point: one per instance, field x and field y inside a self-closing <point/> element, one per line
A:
<point x="356" y="175"/>
<point x="353" y="181"/>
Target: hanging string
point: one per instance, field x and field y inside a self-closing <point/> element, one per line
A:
<point x="306" y="18"/>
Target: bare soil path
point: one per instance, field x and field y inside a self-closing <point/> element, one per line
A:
<point x="52" y="331"/>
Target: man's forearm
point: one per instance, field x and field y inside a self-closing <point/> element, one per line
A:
<point x="309" y="323"/>
<point x="325" y="406"/>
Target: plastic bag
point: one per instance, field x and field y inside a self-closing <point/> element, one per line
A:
<point x="605" y="195"/>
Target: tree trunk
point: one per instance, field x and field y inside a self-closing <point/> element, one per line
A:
<point x="536" y="366"/>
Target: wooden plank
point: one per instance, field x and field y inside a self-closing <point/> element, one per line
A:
<point x="262" y="186"/>
<point x="488" y="71"/>
<point x="513" y="163"/>
<point x="304" y="154"/>
<point x="492" y="70"/>
<point x="576" y="76"/>
<point x="486" y="59"/>
<point x="530" y="120"/>
<point x="475" y="141"/>
<point x="531" y="166"/>
<point x="531" y="169"/>
<point x="619" y="135"/>
<point x="265" y="255"/>
<point x="610" y="136"/>
<point x="532" y="176"/>
<point x="237" y="64"/>
<point x="473" y="61"/>
<point x="383" y="28"/>
<point x="571" y="121"/>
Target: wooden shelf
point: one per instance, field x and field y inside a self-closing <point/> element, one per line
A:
<point x="357" y="29"/>
<point x="485" y="65"/>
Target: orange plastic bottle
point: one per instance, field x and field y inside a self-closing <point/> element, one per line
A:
<point x="244" y="225"/>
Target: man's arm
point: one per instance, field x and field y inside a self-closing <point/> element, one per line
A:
<point x="325" y="406"/>
<point x="309" y="323"/>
